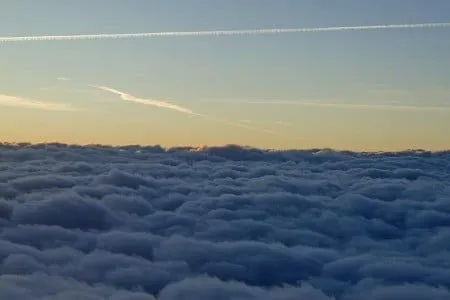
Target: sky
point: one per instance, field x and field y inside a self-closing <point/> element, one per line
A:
<point x="365" y="90"/>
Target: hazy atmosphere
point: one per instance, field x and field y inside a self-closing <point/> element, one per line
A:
<point x="367" y="89"/>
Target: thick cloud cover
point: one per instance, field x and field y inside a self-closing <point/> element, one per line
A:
<point x="225" y="223"/>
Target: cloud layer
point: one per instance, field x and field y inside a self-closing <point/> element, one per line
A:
<point x="98" y="222"/>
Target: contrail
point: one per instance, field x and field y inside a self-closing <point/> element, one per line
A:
<point x="167" y="105"/>
<point x="341" y="105"/>
<point x="162" y="104"/>
<point x="8" y="39"/>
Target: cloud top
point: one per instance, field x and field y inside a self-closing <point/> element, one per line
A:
<point x="135" y="222"/>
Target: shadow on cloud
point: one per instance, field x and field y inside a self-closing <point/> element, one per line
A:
<point x="98" y="222"/>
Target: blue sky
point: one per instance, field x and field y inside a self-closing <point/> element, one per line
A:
<point x="219" y="76"/>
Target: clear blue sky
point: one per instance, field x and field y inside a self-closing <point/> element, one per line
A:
<point x="219" y="76"/>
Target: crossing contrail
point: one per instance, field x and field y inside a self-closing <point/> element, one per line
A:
<point x="9" y="39"/>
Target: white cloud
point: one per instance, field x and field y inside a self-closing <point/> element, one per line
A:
<point x="16" y="101"/>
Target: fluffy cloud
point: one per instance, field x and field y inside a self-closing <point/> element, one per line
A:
<point x="99" y="222"/>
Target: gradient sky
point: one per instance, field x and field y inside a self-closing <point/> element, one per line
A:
<point x="272" y="82"/>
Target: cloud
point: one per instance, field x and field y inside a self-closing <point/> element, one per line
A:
<point x="167" y="105"/>
<point x="62" y="78"/>
<point x="340" y="105"/>
<point x="135" y="222"/>
<point x="157" y="103"/>
<point x="48" y="88"/>
<point x="283" y="123"/>
<point x="218" y="32"/>
<point x="15" y="101"/>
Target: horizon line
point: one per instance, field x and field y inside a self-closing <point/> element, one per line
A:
<point x="206" y="147"/>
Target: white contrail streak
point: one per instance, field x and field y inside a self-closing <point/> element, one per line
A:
<point x="156" y="103"/>
<point x="7" y="39"/>
<point x="167" y="105"/>
<point x="350" y="105"/>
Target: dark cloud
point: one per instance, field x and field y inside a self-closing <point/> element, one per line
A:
<point x="98" y="222"/>
<point x="67" y="210"/>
